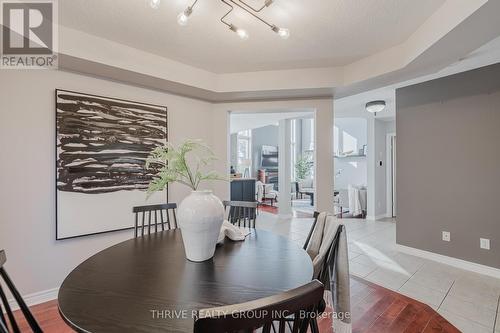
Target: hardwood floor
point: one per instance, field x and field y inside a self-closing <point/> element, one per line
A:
<point x="379" y="310"/>
<point x="47" y="316"/>
<point x="374" y="310"/>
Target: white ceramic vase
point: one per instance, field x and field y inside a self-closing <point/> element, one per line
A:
<point x="200" y="216"/>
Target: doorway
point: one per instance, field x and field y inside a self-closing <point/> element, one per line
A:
<point x="276" y="151"/>
<point x="391" y="174"/>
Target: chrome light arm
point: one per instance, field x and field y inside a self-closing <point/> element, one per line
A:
<point x="267" y="3"/>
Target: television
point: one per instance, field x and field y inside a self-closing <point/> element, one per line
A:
<point x="269" y="157"/>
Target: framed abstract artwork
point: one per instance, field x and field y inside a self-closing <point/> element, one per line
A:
<point x="101" y="147"/>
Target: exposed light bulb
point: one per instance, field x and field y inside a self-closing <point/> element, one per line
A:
<point x="155" y="4"/>
<point x="243" y="34"/>
<point x="282" y="32"/>
<point x="183" y="17"/>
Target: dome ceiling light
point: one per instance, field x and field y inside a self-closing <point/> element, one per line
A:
<point x="183" y="17"/>
<point x="375" y="106"/>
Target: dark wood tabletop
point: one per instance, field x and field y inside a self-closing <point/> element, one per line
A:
<point x="147" y="285"/>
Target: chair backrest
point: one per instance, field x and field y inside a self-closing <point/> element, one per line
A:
<point x="327" y="271"/>
<point x="259" y="191"/>
<point x="308" y="239"/>
<point x="154" y="219"/>
<point x="306" y="183"/>
<point x="262" y="313"/>
<point x="329" y="260"/>
<point x="19" y="300"/>
<point x="241" y="213"/>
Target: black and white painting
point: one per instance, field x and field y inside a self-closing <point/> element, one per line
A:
<point x="102" y="146"/>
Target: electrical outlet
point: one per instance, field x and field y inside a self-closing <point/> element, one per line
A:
<point x="484" y="243"/>
<point x="446" y="236"/>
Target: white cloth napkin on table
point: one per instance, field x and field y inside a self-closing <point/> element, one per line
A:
<point x="232" y="232"/>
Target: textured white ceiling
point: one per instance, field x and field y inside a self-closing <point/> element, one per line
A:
<point x="323" y="32"/>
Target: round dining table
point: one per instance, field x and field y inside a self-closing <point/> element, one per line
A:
<point x="146" y="284"/>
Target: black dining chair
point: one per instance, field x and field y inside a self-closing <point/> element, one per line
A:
<point x="13" y="324"/>
<point x="328" y="265"/>
<point x="154" y="218"/>
<point x="308" y="239"/>
<point x="241" y="213"/>
<point x="299" y="303"/>
<point x="332" y="249"/>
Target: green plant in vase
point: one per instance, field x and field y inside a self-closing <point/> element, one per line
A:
<point x="303" y="167"/>
<point x="183" y="164"/>
<point x="200" y="214"/>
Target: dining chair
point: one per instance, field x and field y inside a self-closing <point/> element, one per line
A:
<point x="241" y="213"/>
<point x="327" y="266"/>
<point x="19" y="300"/>
<point x="328" y="261"/>
<point x="154" y="219"/>
<point x="299" y="303"/>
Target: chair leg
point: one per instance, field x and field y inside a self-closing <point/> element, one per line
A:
<point x="314" y="326"/>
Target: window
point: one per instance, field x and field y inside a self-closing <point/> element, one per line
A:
<point x="244" y="152"/>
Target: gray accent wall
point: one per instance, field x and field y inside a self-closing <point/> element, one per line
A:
<point x="448" y="165"/>
<point x="262" y="136"/>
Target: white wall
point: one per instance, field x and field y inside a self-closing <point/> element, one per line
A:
<point x="307" y="134"/>
<point x="35" y="260"/>
<point x="377" y="174"/>
<point x="350" y="134"/>
<point x="380" y="170"/>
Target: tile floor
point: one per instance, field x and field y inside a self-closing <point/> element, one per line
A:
<point x="468" y="300"/>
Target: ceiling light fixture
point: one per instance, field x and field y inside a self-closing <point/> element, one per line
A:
<point x="375" y="106"/>
<point x="242" y="33"/>
<point x="284" y="33"/>
<point x="155" y="4"/>
<point x="183" y="17"/>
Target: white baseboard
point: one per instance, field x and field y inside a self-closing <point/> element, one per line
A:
<point x="376" y="217"/>
<point x="36" y="298"/>
<point x="455" y="262"/>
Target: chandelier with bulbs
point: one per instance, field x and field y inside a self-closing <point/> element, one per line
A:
<point x="183" y="17"/>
